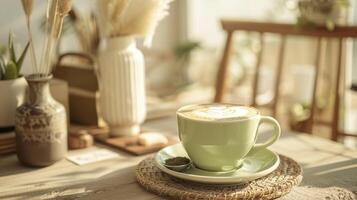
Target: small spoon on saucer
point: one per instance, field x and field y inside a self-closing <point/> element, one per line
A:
<point x="178" y="164"/>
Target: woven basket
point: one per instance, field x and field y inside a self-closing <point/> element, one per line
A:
<point x="274" y="185"/>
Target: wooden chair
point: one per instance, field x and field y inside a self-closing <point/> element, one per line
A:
<point x="284" y="30"/>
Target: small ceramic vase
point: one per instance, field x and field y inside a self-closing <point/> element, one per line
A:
<point x="40" y="125"/>
<point x="122" y="86"/>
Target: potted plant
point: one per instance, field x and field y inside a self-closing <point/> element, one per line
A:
<point x="321" y="12"/>
<point x="12" y="83"/>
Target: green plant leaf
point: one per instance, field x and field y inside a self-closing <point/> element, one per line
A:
<point x="342" y="3"/>
<point x="11" y="48"/>
<point x="1" y="71"/>
<point x="303" y="23"/>
<point x="330" y="24"/>
<point x="2" y="50"/>
<point x="183" y="50"/>
<point x="22" y="57"/>
<point x="2" y="61"/>
<point x="10" y="71"/>
<point x="2" y="67"/>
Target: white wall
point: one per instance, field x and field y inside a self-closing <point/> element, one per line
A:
<point x="168" y="32"/>
<point x="188" y="19"/>
<point x="204" y="16"/>
<point x="12" y="18"/>
<point x="202" y="20"/>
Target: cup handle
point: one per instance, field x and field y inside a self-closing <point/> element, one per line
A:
<point x="275" y="134"/>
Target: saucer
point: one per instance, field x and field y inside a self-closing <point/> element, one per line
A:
<point x="255" y="165"/>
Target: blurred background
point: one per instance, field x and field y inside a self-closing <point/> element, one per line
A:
<point x="182" y="65"/>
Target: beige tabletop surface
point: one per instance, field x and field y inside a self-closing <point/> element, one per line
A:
<point x="325" y="163"/>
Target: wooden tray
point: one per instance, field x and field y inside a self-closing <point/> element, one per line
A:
<point x="128" y="144"/>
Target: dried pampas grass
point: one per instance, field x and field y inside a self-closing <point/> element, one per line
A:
<point x="64" y="6"/>
<point x="56" y="11"/>
<point x="109" y="14"/>
<point x="131" y="17"/>
<point x="87" y="31"/>
<point x="27" y="6"/>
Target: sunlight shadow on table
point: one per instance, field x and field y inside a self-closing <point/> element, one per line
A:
<point x="83" y="174"/>
<point x="112" y="183"/>
<point x="10" y="165"/>
<point x="334" y="174"/>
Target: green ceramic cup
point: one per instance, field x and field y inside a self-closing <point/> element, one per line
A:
<point x="222" y="145"/>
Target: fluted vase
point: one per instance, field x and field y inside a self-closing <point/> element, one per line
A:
<point x="122" y="86"/>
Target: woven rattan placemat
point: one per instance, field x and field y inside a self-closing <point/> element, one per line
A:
<point x="274" y="185"/>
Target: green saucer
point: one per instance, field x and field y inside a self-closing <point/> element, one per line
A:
<point x="255" y="165"/>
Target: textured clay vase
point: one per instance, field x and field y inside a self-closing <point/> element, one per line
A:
<point x="40" y="125"/>
<point x="122" y="86"/>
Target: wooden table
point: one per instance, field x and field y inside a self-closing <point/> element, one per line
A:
<point x="325" y="164"/>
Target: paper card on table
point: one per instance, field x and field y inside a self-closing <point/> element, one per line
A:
<point x="91" y="157"/>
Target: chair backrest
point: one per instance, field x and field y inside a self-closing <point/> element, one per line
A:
<point x="284" y="30"/>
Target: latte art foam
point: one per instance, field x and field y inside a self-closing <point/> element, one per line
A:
<point x="218" y="112"/>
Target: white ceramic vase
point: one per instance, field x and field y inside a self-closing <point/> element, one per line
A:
<point x="12" y="94"/>
<point x="122" y="86"/>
